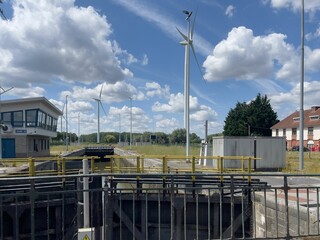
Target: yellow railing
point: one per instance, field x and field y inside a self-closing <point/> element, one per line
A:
<point x="129" y="164"/>
<point x="55" y="165"/>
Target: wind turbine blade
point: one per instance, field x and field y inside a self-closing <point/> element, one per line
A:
<point x="101" y="91"/>
<point x="103" y="109"/>
<point x="194" y="22"/>
<point x="184" y="36"/>
<point x="195" y="57"/>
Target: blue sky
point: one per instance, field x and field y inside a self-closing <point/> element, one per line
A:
<point x="55" y="48"/>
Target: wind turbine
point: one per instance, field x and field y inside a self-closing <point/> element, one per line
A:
<point x="188" y="42"/>
<point x="99" y="104"/>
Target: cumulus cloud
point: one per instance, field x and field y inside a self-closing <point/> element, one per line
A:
<point x="310" y="5"/>
<point x="57" y="40"/>
<point x="155" y="90"/>
<point x="204" y="113"/>
<point x="117" y="92"/>
<point x="230" y="11"/>
<point x="167" y="125"/>
<point x="243" y="56"/>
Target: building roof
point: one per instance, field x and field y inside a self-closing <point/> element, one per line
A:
<point x="34" y="99"/>
<point x="311" y="119"/>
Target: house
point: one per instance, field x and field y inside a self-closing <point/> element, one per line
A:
<point x="289" y="128"/>
<point x="27" y="126"/>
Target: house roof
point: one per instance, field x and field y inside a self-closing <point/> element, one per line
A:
<point x="311" y="119"/>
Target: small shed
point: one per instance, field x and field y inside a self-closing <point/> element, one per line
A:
<point x="271" y="150"/>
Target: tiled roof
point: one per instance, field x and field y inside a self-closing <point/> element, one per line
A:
<point x="311" y="119"/>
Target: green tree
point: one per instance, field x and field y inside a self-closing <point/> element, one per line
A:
<point x="194" y="138"/>
<point x="254" y="118"/>
<point x="109" y="138"/>
<point x="178" y="136"/>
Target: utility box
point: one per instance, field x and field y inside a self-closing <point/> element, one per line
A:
<point x="271" y="150"/>
<point x="86" y="234"/>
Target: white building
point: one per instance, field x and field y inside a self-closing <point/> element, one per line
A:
<point x="289" y="128"/>
<point x="31" y="123"/>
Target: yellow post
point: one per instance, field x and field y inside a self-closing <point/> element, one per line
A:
<point x="63" y="163"/>
<point x="92" y="164"/>
<point x="138" y="164"/>
<point x="164" y="166"/>
<point x="31" y="167"/>
<point x="111" y="164"/>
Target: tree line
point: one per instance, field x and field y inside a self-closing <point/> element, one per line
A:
<point x="254" y="118"/>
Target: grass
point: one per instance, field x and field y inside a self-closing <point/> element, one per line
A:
<point x="311" y="159"/>
<point x="311" y="162"/>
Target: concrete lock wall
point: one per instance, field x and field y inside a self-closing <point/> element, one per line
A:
<point x="271" y="150"/>
<point x="271" y="218"/>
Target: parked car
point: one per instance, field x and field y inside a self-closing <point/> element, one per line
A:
<point x="296" y="148"/>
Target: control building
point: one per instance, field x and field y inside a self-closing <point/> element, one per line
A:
<point x="27" y="126"/>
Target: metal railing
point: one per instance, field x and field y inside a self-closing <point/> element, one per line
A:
<point x="124" y="164"/>
<point x="162" y="206"/>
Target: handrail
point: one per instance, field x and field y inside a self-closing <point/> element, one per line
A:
<point x="139" y="164"/>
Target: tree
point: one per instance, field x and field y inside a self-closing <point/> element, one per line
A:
<point x="178" y="136"/>
<point x="254" y="119"/>
<point x="109" y="138"/>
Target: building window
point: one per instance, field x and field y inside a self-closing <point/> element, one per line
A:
<point x="31" y="118"/>
<point x="17" y="120"/>
<point x="296" y="119"/>
<point x="277" y="132"/>
<point x="6" y="117"/>
<point x="294" y="131"/>
<point x="284" y="132"/>
<point x="315" y="117"/>
<point x="310" y="131"/>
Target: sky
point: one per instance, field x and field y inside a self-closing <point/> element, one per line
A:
<point x="130" y="51"/>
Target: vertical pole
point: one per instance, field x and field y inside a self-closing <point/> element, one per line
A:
<point x="301" y="126"/>
<point x="186" y="89"/>
<point x="86" y="216"/>
<point x="67" y="123"/>
<point x="130" y="123"/>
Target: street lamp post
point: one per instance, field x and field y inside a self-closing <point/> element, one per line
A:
<point x="67" y="123"/>
<point x="301" y="126"/>
<point x="130" y="122"/>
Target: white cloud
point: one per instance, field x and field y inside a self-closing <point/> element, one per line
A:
<point x="243" y="56"/>
<point x="204" y="113"/>
<point x="117" y="92"/>
<point x="155" y="90"/>
<point x="167" y="125"/>
<point x="28" y="91"/>
<point x="230" y="11"/>
<point x="54" y="39"/>
<point x="145" y="60"/>
<point x="310" y="5"/>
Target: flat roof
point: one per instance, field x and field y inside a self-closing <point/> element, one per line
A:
<point x="34" y="99"/>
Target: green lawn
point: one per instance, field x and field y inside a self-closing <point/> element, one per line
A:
<point x="311" y="159"/>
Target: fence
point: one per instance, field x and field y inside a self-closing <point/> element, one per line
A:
<point x="162" y="206"/>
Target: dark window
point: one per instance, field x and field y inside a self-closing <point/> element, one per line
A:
<point x="284" y="132"/>
<point x="17" y="119"/>
<point x="31" y="118"/>
<point x="277" y="132"/>
<point x="310" y="130"/>
<point x="7" y="117"/>
<point x="294" y="131"/>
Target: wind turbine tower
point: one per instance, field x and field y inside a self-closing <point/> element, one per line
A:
<point x="98" y="100"/>
<point x="188" y="42"/>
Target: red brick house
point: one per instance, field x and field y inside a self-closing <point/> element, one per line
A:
<point x="289" y="127"/>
